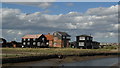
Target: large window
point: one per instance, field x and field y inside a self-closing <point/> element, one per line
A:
<point x="82" y="38"/>
<point x="28" y="43"/>
<point x="81" y="43"/>
<point x="88" y="38"/>
<point x="23" y="43"/>
<point x="38" y="44"/>
<point x="34" y="43"/>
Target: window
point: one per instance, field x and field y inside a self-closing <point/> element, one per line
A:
<point x="22" y="46"/>
<point x="55" y="34"/>
<point x="43" y="39"/>
<point x="63" y="37"/>
<point x="67" y="37"/>
<point x="34" y="39"/>
<point x="47" y="43"/>
<point x="34" y="43"/>
<point x="81" y="43"/>
<point x="24" y="39"/>
<point x="28" y="39"/>
<point x="38" y="44"/>
<point x="82" y="38"/>
<point x="55" y="39"/>
<point x="88" y="38"/>
<point x="28" y="43"/>
<point x="23" y="43"/>
<point x="55" y="43"/>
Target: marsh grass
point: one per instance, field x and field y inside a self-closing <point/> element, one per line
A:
<point x="21" y="52"/>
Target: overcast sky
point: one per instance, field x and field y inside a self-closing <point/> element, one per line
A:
<point x="76" y="18"/>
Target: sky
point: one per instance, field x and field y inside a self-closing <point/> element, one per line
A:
<point x="100" y="19"/>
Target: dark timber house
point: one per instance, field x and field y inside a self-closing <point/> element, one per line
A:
<point x="61" y="39"/>
<point x="3" y="42"/>
<point x="86" y="42"/>
<point x="38" y="40"/>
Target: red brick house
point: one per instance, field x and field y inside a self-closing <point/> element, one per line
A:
<point x="61" y="39"/>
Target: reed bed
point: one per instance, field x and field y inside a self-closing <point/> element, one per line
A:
<point x="22" y="52"/>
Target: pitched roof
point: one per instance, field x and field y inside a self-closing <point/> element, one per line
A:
<point x="32" y="36"/>
<point x="49" y="37"/>
<point x="64" y="34"/>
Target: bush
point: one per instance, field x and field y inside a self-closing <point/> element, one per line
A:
<point x="110" y="47"/>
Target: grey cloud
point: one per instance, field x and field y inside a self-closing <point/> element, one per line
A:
<point x="91" y="22"/>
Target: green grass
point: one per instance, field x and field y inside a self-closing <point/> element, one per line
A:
<point x="19" y="52"/>
<point x="110" y="47"/>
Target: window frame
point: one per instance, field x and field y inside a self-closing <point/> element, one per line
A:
<point x="81" y="38"/>
<point x="81" y="44"/>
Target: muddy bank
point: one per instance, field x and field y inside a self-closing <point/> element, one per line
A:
<point x="56" y="61"/>
<point x="37" y="58"/>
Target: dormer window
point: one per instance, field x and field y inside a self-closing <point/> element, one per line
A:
<point x="28" y="39"/>
<point x="34" y="39"/>
<point x="24" y="39"/>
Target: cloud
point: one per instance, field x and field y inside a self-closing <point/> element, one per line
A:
<point x="70" y="4"/>
<point x="105" y="34"/>
<point x="44" y="5"/>
<point x="103" y="11"/>
<point x="100" y="22"/>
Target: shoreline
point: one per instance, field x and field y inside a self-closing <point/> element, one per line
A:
<point x="36" y="58"/>
<point x="56" y="61"/>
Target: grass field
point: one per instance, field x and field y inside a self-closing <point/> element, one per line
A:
<point x="21" y="52"/>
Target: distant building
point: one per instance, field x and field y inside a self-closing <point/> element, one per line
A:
<point x="86" y="42"/>
<point x="3" y="42"/>
<point x="95" y="45"/>
<point x="73" y="44"/>
<point x="38" y="40"/>
<point x="16" y="44"/>
<point x="50" y="39"/>
<point x="108" y="44"/>
<point x="61" y="39"/>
